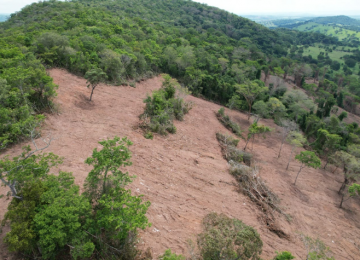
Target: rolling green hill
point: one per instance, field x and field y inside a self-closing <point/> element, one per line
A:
<point x="207" y="49"/>
<point x="338" y="20"/>
<point x="339" y="32"/>
<point x="342" y="27"/>
<point x="216" y="55"/>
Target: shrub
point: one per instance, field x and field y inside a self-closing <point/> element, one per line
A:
<point x="162" y="107"/>
<point x="316" y="249"/>
<point x="149" y="135"/>
<point x="228" y="123"/>
<point x="168" y="255"/>
<point x="229" y="150"/>
<point x="284" y="256"/>
<point x="227" y="139"/>
<point x="226" y="238"/>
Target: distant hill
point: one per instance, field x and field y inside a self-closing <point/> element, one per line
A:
<point x="4" y="17"/>
<point x="338" y="20"/>
<point x="342" y="27"/>
<point x="292" y="23"/>
<point x="284" y="22"/>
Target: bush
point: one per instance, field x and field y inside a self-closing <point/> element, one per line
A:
<point x="228" y="123"/>
<point x="229" y="150"/>
<point x="284" y="256"/>
<point x="162" y="107"/>
<point x="226" y="238"/>
<point x="170" y="256"/>
<point x="149" y="135"/>
<point x="227" y="139"/>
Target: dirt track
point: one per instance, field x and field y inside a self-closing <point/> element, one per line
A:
<point x="185" y="177"/>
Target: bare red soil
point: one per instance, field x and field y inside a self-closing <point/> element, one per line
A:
<point x="185" y="176"/>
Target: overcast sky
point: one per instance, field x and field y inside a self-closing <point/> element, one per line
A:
<point x="314" y="7"/>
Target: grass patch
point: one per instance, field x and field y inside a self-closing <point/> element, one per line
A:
<point x="336" y="55"/>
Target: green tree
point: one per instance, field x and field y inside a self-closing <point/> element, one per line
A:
<point x="350" y="168"/>
<point x="51" y="215"/>
<point x="330" y="143"/>
<point x="273" y="108"/>
<point x="353" y="191"/>
<point x="30" y="165"/>
<point x="287" y="126"/>
<point x="295" y="139"/>
<point x="250" y="90"/>
<point x="261" y="109"/>
<point x="106" y="162"/>
<point x="343" y="115"/>
<point x="118" y="213"/>
<point x="255" y="129"/>
<point x="63" y="218"/>
<point x="307" y="159"/>
<point x="48" y="216"/>
<point x="278" y="71"/>
<point x="354" y="150"/>
<point x="94" y="77"/>
<point x="276" y="108"/>
<point x="350" y="62"/>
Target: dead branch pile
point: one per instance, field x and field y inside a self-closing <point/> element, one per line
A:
<point x="253" y="186"/>
<point x="250" y="183"/>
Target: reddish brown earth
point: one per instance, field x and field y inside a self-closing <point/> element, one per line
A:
<point x="185" y="176"/>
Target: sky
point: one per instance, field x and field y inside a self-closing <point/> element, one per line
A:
<point x="276" y="7"/>
<point x="312" y="7"/>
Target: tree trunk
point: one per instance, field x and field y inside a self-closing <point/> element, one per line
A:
<point x="342" y="200"/>
<point x="298" y="174"/>
<point x="92" y="91"/>
<point x="343" y="185"/>
<point x="327" y="161"/>
<point x="249" y="112"/>
<point x="105" y="175"/>
<point x="287" y="167"/>
<point x="335" y="169"/>
<point x="282" y="143"/>
<point x="247" y="141"/>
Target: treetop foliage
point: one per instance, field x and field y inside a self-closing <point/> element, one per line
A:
<point x="48" y="216"/>
<point x="309" y="159"/>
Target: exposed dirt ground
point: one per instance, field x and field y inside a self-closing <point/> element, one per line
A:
<point x="185" y="176"/>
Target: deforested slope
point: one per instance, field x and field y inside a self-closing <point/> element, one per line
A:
<point x="185" y="177"/>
